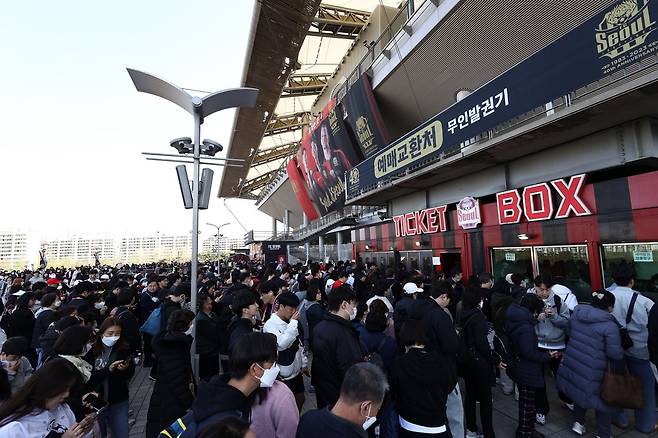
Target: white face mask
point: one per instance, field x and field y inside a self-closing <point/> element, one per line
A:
<point x="353" y="314"/>
<point x="190" y="330"/>
<point x="99" y="305"/>
<point x="269" y="376"/>
<point x="8" y="363"/>
<point x="369" y="420"/>
<point x="109" y="341"/>
<point x="58" y="303"/>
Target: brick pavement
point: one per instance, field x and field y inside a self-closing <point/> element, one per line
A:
<point x="559" y="420"/>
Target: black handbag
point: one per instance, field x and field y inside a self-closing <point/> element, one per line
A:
<point x="626" y="341"/>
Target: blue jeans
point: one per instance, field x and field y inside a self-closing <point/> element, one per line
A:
<point x="455" y="413"/>
<point x="645" y="418"/>
<point x="114" y="417"/>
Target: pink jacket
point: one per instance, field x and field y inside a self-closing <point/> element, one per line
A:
<point x="277" y="416"/>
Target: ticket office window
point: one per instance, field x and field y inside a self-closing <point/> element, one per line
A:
<point x="568" y="265"/>
<point x="643" y="257"/>
<point x="512" y="260"/>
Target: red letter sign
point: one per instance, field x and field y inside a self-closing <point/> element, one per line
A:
<point x="509" y="207"/>
<point x="570" y="199"/>
<point x="537" y="202"/>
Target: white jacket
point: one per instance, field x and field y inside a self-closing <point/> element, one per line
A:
<point x="40" y="423"/>
<point x="286" y="335"/>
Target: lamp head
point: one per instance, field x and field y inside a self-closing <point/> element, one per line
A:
<point x="182" y="144"/>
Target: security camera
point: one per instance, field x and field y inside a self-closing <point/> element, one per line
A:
<point x="211" y="147"/>
<point x="183" y="145"/>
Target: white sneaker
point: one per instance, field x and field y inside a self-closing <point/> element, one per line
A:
<point x="470" y="434"/>
<point x="579" y="428"/>
<point x="541" y="419"/>
<point x="570" y="406"/>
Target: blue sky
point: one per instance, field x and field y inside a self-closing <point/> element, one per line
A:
<point x="73" y="125"/>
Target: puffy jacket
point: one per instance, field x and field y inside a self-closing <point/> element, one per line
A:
<point x="336" y="347"/>
<point x="594" y="340"/>
<point x="291" y="358"/>
<point x="520" y="328"/>
<point x="172" y="395"/>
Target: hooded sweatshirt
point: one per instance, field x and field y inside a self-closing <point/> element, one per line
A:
<point x="551" y="332"/>
<point x="218" y="396"/>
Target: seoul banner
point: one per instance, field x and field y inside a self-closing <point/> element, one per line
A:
<point x="623" y="34"/>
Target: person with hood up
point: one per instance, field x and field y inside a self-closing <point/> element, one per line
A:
<point x="528" y="366"/>
<point x="174" y="388"/>
<point x="594" y="342"/>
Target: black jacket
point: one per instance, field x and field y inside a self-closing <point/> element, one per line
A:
<point x="47" y="341"/>
<point x="420" y="383"/>
<point x="43" y="320"/>
<point x="238" y="328"/>
<point x="117" y="381"/>
<point x="652" y="342"/>
<point x="520" y="327"/>
<point x="314" y="314"/>
<point x="475" y="329"/>
<point x="441" y="334"/>
<point x="336" y="347"/>
<point x="171" y="396"/>
<point x="402" y="309"/>
<point x="130" y="328"/>
<point x="207" y="333"/>
<point x="321" y="423"/>
<point x="146" y="306"/>
<point x="218" y="396"/>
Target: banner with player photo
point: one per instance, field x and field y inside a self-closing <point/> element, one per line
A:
<point x="300" y="189"/>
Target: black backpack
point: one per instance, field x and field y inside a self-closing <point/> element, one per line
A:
<point x="374" y="357"/>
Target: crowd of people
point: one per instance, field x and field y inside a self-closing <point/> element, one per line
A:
<point x="386" y="352"/>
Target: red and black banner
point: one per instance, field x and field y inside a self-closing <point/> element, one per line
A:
<point x="325" y="155"/>
<point x="361" y="114"/>
<point x="300" y="189"/>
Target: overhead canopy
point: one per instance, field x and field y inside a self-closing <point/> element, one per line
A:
<point x="295" y="47"/>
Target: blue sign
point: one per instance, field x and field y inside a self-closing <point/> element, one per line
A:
<point x="614" y="39"/>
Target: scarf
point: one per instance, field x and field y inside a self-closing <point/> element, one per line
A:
<point x="82" y="365"/>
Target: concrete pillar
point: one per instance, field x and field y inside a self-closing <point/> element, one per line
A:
<point x="339" y="244"/>
<point x="321" y="246"/>
<point x="286" y="221"/>
<point x="273" y="226"/>
<point x="307" y="245"/>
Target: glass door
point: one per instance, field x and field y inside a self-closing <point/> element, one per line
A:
<point x="567" y="265"/>
<point x="644" y="259"/>
<point x="517" y="260"/>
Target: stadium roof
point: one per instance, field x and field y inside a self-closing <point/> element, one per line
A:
<point x="295" y="47"/>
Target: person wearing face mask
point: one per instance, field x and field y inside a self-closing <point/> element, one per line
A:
<point x="252" y="366"/>
<point x="594" y="342"/>
<point x="284" y="324"/>
<point x="113" y="368"/>
<point x="245" y="308"/>
<point x="361" y="396"/>
<point x="174" y="388"/>
<point x="17" y="366"/>
<point x="44" y="317"/>
<point x="39" y="409"/>
<point x="336" y="346"/>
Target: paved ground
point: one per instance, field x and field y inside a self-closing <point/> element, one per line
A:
<point x="559" y="420"/>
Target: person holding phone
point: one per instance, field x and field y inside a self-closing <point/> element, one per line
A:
<point x="110" y="356"/>
<point x="39" y="409"/>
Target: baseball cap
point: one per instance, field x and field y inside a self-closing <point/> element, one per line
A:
<point x="336" y="284"/>
<point x="508" y="278"/>
<point x="411" y="288"/>
<point x="105" y="277"/>
<point x="53" y="281"/>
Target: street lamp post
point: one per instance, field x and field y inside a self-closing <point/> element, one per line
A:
<point x="199" y="108"/>
<point x="218" y="228"/>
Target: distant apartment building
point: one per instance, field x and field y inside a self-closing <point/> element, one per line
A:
<point x="226" y="244"/>
<point x="18" y="250"/>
